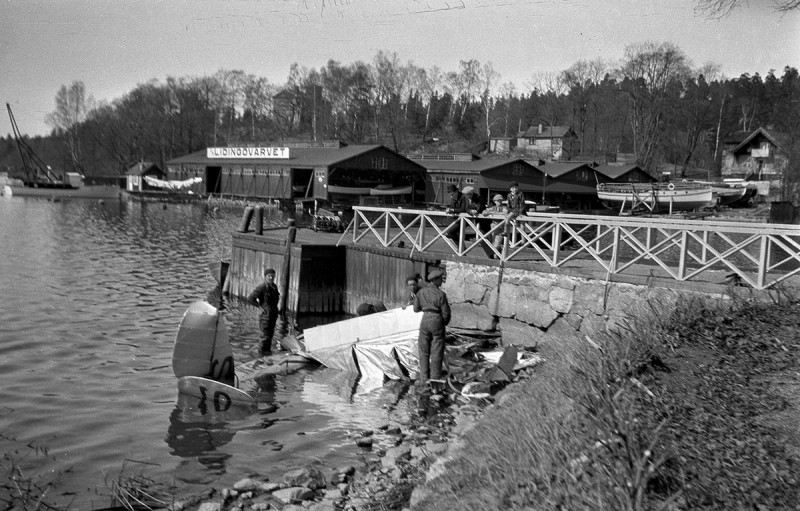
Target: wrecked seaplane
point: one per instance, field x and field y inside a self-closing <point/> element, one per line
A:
<point x="384" y="345"/>
<point x="202" y="360"/>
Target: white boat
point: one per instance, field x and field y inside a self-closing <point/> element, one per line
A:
<point x="681" y="196"/>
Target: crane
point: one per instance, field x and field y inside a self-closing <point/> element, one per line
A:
<point x="37" y="173"/>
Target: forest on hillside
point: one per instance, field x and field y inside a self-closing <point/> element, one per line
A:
<point x="651" y="102"/>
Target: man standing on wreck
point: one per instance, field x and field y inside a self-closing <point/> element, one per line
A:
<point x="266" y="296"/>
<point x="432" y="301"/>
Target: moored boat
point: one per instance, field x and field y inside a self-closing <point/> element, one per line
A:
<point x="682" y="196"/>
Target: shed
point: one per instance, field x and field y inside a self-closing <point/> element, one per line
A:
<point x="135" y="174"/>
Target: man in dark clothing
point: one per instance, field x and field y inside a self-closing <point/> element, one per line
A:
<point x="459" y="203"/>
<point x="266" y="296"/>
<point x="516" y="201"/>
<point x="432" y="301"/>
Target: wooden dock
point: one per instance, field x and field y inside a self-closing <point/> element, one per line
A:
<point x="323" y="278"/>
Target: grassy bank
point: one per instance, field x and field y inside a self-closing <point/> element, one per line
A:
<point x="695" y="409"/>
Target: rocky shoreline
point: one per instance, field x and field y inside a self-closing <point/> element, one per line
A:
<point x="396" y="457"/>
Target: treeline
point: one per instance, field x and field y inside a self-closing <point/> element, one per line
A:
<point x="651" y="103"/>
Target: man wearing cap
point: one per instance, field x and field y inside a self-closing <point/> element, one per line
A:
<point x="266" y="296"/>
<point x="432" y="301"/>
<point x="458" y="202"/>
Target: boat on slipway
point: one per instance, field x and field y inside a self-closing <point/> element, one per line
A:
<point x="735" y="193"/>
<point x="655" y="197"/>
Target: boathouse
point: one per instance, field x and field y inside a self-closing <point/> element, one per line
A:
<point x="134" y="176"/>
<point x="570" y="185"/>
<point x="487" y="176"/>
<point x="755" y="155"/>
<point x="497" y="178"/>
<point x="336" y="173"/>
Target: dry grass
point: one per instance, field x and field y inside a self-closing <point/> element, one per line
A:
<point x="613" y="423"/>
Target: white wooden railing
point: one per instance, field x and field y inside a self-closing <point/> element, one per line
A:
<point x="758" y="255"/>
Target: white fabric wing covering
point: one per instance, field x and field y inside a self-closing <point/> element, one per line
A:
<point x="172" y="185"/>
<point x="377" y="345"/>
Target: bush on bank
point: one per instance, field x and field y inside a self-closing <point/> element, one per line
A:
<point x="671" y="411"/>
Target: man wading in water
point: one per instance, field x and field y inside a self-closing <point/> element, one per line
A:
<point x="266" y="296"/>
<point x="433" y="302"/>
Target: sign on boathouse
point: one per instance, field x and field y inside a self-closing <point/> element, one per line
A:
<point x="248" y="152"/>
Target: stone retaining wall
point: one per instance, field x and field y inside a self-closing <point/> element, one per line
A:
<point x="531" y="308"/>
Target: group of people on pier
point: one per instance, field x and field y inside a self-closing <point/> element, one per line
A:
<point x="469" y="202"/>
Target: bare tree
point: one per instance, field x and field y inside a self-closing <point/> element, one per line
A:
<point x="721" y="8"/>
<point x="646" y="74"/>
<point x="72" y="107"/>
<point x="487" y="80"/>
<point x="428" y="82"/>
<point x="550" y="86"/>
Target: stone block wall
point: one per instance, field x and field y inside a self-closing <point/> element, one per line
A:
<point x="531" y="308"/>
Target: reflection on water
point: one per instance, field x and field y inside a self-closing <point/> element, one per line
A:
<point x="93" y="293"/>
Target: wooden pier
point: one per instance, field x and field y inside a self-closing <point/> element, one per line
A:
<point x="323" y="278"/>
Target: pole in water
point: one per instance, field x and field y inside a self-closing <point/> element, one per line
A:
<point x="259" y="219"/>
<point x="244" y="226"/>
<point x="291" y="234"/>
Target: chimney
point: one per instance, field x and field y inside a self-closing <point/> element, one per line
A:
<point x="540" y="128"/>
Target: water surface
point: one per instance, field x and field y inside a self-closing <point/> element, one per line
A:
<point x="92" y="295"/>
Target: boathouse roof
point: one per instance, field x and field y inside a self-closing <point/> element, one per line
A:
<point x="555" y="169"/>
<point x="472" y="166"/>
<point x="617" y="171"/>
<point x="299" y="157"/>
<point x="144" y="168"/>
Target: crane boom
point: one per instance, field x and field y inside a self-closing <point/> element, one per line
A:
<point x="37" y="173"/>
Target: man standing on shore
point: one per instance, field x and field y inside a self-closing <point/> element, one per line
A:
<point x="266" y="296"/>
<point x="432" y="301"/>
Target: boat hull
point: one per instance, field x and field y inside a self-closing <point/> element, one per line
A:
<point x="663" y="198"/>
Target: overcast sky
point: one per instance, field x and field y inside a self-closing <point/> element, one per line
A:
<point x="113" y="45"/>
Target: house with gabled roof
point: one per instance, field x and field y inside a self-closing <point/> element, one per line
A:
<point x="549" y="142"/>
<point x="754" y="155"/>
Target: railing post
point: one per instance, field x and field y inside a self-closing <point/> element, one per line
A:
<point x="612" y="265"/>
<point x="355" y="224"/>
<point x="421" y="237"/>
<point x="704" y="256"/>
<point x="682" y="259"/>
<point x="556" y="241"/>
<point x="763" y="261"/>
<point x="461" y="234"/>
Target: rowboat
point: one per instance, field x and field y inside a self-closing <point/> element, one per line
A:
<point x="681" y="196"/>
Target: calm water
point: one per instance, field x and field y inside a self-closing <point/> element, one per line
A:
<point x="91" y="297"/>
